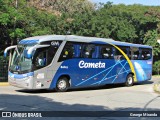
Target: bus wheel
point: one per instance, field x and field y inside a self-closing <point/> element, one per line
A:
<point x="129" y="80"/>
<point x="62" y="84"/>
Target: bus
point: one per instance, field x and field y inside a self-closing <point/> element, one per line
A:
<point x="61" y="62"/>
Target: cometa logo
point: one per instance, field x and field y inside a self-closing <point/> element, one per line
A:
<point x="83" y="64"/>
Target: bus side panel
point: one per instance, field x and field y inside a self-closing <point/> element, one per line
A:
<point x="143" y="69"/>
<point x="82" y="72"/>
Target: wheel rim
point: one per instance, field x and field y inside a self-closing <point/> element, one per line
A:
<point x="61" y="85"/>
<point x="130" y="80"/>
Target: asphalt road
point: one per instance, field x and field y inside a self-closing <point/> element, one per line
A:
<point x="139" y="97"/>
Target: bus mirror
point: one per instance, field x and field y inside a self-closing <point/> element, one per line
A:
<point x="8" y="48"/>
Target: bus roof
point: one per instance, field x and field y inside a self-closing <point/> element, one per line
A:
<point x="130" y="44"/>
<point x="39" y="39"/>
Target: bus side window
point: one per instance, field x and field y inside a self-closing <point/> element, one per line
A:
<point x="125" y="49"/>
<point x="106" y="52"/>
<point x="118" y="55"/>
<point x="51" y="53"/>
<point x="67" y="52"/>
<point x="135" y="53"/>
<point x="88" y="51"/>
<point x="128" y="52"/>
<point x="40" y="60"/>
<point x="77" y="50"/>
<point x="146" y="54"/>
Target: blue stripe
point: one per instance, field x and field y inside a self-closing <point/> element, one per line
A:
<point x="16" y="76"/>
<point x="28" y="41"/>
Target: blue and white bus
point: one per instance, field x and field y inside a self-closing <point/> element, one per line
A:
<point x="61" y="62"/>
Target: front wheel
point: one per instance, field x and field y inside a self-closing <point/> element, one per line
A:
<point x="129" y="80"/>
<point x="62" y="84"/>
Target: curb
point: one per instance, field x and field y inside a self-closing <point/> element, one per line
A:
<point x="4" y="84"/>
<point x="156" y="87"/>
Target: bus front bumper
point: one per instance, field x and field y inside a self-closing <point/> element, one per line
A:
<point x="26" y="82"/>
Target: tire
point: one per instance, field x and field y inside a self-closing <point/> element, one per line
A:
<point x="62" y="84"/>
<point x="129" y="80"/>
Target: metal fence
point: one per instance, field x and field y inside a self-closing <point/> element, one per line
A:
<point x="3" y="70"/>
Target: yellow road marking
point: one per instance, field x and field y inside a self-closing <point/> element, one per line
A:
<point x="4" y="84"/>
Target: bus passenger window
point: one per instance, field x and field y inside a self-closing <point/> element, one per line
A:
<point x="129" y="54"/>
<point x="77" y="50"/>
<point x="135" y="53"/>
<point x="51" y="53"/>
<point x="118" y="55"/>
<point x="106" y="52"/>
<point x="125" y="49"/>
<point x="88" y="51"/>
<point x="146" y="54"/>
<point x="67" y="52"/>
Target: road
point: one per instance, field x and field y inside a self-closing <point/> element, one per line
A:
<point x="139" y="97"/>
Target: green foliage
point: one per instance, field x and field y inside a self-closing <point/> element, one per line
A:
<point x="151" y="39"/>
<point x="132" y="23"/>
<point x="4" y="18"/>
<point x="19" y="33"/>
<point x="156" y="67"/>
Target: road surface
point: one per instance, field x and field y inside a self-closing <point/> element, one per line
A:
<point x="139" y="97"/>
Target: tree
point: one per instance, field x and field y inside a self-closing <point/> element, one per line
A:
<point x="151" y="39"/>
<point x="156" y="67"/>
<point x="58" y="7"/>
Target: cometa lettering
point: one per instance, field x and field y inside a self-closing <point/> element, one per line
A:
<point x="83" y="64"/>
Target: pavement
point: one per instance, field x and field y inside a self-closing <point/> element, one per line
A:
<point x="156" y="86"/>
<point x="112" y="98"/>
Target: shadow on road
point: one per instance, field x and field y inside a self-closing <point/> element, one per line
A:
<point x="108" y="86"/>
<point x="144" y="83"/>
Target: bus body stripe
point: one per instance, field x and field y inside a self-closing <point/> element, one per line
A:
<point x="128" y="60"/>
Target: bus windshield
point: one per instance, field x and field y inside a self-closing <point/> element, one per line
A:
<point x="19" y="62"/>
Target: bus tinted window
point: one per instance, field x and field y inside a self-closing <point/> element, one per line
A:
<point x="106" y="52"/>
<point x="146" y="54"/>
<point x="127" y="51"/>
<point x="88" y="51"/>
<point x="119" y="54"/>
<point x="135" y="53"/>
<point x="67" y="52"/>
<point x="51" y="53"/>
